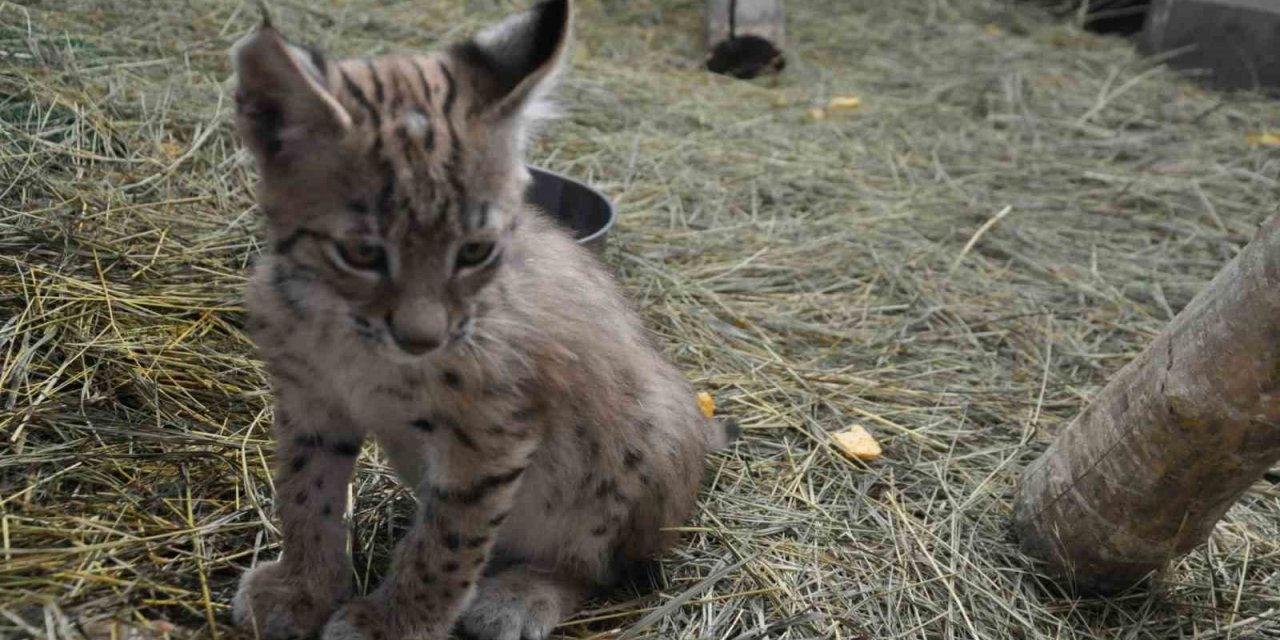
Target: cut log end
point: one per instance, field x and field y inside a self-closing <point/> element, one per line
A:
<point x="745" y="38"/>
<point x="745" y="57"/>
<point x="1079" y="569"/>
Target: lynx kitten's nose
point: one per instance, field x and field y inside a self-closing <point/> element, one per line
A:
<point x="418" y="326"/>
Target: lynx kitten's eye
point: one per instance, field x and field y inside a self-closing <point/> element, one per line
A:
<point x="361" y="254"/>
<point x="474" y="253"/>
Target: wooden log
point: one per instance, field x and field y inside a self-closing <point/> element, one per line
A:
<point x="745" y="38"/>
<point x="1235" y="44"/>
<point x="1176" y="436"/>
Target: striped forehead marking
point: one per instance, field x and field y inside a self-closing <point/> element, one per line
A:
<point x="406" y="104"/>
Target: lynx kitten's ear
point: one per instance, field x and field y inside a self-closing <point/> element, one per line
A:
<point x="280" y="94"/>
<point x="517" y="59"/>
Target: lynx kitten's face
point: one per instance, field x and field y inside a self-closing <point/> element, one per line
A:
<point x="396" y="182"/>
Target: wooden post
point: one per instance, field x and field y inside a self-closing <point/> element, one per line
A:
<point x="745" y="38"/>
<point x="1141" y="475"/>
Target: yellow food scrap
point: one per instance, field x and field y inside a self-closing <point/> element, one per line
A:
<point x="856" y="442"/>
<point x="845" y="103"/>
<point x="817" y="113"/>
<point x="172" y="149"/>
<point x="1264" y="139"/>
<point x="707" y="404"/>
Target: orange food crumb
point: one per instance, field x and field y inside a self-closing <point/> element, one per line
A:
<point x="1264" y="139"/>
<point x="844" y="103"/>
<point x="856" y="442"/>
<point x="707" y="404"/>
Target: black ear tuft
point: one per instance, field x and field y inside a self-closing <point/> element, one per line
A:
<point x="515" y="55"/>
<point x="266" y="16"/>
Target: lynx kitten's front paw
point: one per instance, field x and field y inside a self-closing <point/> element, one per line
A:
<point x="274" y="603"/>
<point x="516" y="605"/>
<point x="356" y="621"/>
<point x="506" y="620"/>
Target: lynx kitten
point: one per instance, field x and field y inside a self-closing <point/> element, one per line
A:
<point x="410" y="296"/>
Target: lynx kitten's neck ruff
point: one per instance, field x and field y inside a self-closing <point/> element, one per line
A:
<point x="408" y="295"/>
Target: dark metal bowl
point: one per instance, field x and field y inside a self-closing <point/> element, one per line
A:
<point x="581" y="209"/>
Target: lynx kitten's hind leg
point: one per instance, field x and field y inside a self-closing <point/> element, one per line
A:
<point x="519" y="603"/>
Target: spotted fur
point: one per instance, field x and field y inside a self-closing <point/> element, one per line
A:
<point x="410" y="296"/>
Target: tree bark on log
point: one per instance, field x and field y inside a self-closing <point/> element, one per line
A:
<point x="1144" y="472"/>
<point x="745" y="38"/>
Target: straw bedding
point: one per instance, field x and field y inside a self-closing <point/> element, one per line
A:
<point x="958" y="265"/>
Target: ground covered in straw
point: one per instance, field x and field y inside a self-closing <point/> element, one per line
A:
<point x="812" y="272"/>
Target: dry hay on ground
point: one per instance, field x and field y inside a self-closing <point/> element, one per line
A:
<point x="811" y="273"/>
